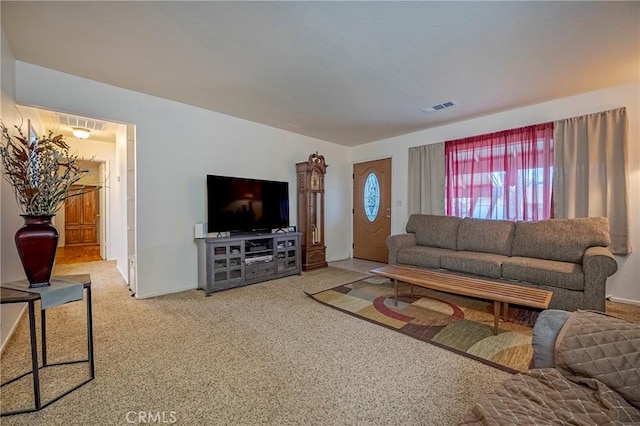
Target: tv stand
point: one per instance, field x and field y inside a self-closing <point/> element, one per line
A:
<point x="228" y="262"/>
<point x="254" y="233"/>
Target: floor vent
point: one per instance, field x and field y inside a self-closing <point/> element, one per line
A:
<point x="438" y="107"/>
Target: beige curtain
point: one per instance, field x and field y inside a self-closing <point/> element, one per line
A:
<point x="426" y="179"/>
<point x="591" y="171"/>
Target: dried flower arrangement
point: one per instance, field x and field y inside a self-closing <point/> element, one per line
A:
<point x="41" y="171"/>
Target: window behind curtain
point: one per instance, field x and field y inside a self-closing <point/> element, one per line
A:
<point x="502" y="175"/>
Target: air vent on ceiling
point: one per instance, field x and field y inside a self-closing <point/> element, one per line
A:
<point x="438" y="107"/>
<point x="71" y="121"/>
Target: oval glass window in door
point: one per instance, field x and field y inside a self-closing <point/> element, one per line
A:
<point x="371" y="197"/>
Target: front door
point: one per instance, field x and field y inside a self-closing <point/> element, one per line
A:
<point x="80" y="213"/>
<point x="371" y="209"/>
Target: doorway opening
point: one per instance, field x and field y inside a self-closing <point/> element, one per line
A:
<point x="81" y="222"/>
<point x="101" y="226"/>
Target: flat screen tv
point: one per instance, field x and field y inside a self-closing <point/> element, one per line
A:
<point x="240" y="205"/>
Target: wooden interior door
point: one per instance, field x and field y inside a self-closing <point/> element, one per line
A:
<point x="81" y="214"/>
<point x="371" y="209"/>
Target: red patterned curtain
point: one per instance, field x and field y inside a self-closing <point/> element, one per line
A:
<point x="502" y="175"/>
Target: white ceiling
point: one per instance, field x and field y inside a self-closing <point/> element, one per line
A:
<point x="345" y="72"/>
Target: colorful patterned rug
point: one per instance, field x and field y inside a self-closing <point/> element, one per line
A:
<point x="460" y="324"/>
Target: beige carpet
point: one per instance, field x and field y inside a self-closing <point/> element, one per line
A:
<point x="263" y="354"/>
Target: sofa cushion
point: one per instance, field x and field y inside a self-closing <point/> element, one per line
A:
<point x="564" y="240"/>
<point x="594" y="345"/>
<point x="546" y="397"/>
<point x="434" y="231"/>
<point x="485" y="235"/>
<point x="426" y="257"/>
<point x="546" y="272"/>
<point x="484" y="264"/>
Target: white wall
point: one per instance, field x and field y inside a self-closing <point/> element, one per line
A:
<point x="177" y="145"/>
<point x="119" y="179"/>
<point x="10" y="221"/>
<point x="624" y="285"/>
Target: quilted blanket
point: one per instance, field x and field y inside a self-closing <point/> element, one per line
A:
<point x="597" y="380"/>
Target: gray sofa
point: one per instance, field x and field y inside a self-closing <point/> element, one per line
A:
<point x="566" y="256"/>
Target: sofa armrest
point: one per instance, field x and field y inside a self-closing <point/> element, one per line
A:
<point x="599" y="261"/>
<point x="597" y="264"/>
<point x="397" y="242"/>
<point x="543" y="337"/>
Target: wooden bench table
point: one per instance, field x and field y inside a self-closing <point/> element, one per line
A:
<point x="499" y="293"/>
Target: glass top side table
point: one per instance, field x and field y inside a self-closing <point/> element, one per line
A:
<point x="10" y="295"/>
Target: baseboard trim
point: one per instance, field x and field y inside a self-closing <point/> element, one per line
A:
<point x="163" y="293"/>
<point x="622" y="300"/>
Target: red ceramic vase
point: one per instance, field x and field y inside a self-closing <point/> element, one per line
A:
<point x="37" y="242"/>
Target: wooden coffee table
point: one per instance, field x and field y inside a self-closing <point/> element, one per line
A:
<point x="500" y="293"/>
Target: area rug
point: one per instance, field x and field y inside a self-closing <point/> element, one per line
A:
<point x="460" y="324"/>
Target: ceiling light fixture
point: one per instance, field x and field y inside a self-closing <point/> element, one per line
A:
<point x="80" y="132"/>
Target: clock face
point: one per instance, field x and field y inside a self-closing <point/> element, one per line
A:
<point x="315" y="180"/>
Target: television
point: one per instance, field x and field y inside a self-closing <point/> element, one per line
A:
<point x="239" y="205"/>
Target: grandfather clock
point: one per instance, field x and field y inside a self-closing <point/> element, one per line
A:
<point x="311" y="211"/>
